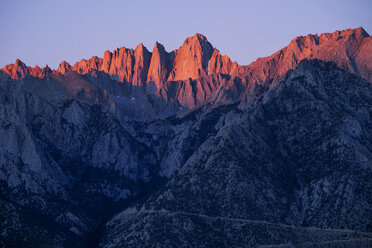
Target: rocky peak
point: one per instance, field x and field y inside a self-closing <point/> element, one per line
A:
<point x="17" y="70"/>
<point x="142" y="59"/>
<point x="346" y="48"/>
<point x="197" y="38"/>
<point x="326" y="45"/>
<point x="191" y="59"/>
<point x="308" y="41"/>
<point x="122" y="63"/>
<point x="64" y="67"/>
<point x="39" y="72"/>
<point x="358" y="33"/>
<point x="19" y="63"/>
<point x="106" y="63"/>
<point x="160" y="65"/>
<point x="84" y="66"/>
<point x="220" y="64"/>
<point x="350" y="49"/>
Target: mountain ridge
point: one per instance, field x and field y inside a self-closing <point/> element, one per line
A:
<point x="303" y="44"/>
<point x="196" y="72"/>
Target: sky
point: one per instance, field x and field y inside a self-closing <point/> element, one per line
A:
<point x="41" y="32"/>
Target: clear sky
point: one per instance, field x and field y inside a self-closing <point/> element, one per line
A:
<point x="49" y="31"/>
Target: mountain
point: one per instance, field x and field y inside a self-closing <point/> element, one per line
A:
<point x="198" y="69"/>
<point x="187" y="148"/>
<point x="341" y="47"/>
<point x="300" y="158"/>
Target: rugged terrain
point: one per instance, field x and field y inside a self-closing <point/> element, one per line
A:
<point x="187" y="148"/>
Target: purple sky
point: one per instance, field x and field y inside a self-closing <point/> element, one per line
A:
<point x="47" y="32"/>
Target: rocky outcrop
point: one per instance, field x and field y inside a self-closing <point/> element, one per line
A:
<point x="64" y="67"/>
<point x="362" y="58"/>
<point x="84" y="66"/>
<point x="121" y="65"/>
<point x="190" y="94"/>
<point x="19" y="70"/>
<point x="39" y="72"/>
<point x="191" y="59"/>
<point x="221" y="64"/>
<point x="142" y="59"/>
<point x="160" y="66"/>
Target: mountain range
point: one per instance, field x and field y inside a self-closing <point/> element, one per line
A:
<point x="189" y="149"/>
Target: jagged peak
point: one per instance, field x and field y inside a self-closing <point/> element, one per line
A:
<point x="217" y="52"/>
<point x="307" y="41"/>
<point x="359" y="32"/>
<point x="122" y="49"/>
<point x="141" y="47"/>
<point x="200" y="37"/>
<point x="349" y="31"/>
<point x="312" y="40"/>
<point x="197" y="38"/>
<point x="63" y="67"/>
<point x="362" y="31"/>
<point x="158" y="46"/>
<point x="19" y="63"/>
<point x="95" y="58"/>
<point x="64" y="63"/>
<point x="107" y="53"/>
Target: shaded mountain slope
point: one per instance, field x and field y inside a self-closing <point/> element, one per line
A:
<point x="64" y="157"/>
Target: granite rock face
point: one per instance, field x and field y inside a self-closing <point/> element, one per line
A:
<point x="191" y="59"/>
<point x="221" y="64"/>
<point x="160" y="66"/>
<point x="187" y="148"/>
